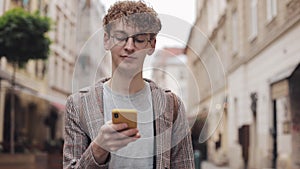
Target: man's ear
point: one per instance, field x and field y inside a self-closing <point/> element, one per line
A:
<point x="153" y="44"/>
<point x="106" y="41"/>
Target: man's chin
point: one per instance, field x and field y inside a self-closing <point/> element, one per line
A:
<point x="128" y="68"/>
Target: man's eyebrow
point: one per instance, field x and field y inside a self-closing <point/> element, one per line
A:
<point x="125" y="33"/>
<point x="120" y="31"/>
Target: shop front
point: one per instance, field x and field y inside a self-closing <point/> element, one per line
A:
<point x="285" y="93"/>
<point x="37" y="122"/>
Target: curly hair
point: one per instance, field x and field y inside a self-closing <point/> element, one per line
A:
<point x="133" y="13"/>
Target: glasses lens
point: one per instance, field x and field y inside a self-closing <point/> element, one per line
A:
<point x="141" y="41"/>
<point x="119" y="39"/>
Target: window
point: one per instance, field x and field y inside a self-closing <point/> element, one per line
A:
<point x="70" y="77"/>
<point x="73" y="38"/>
<point x="2" y="7"/>
<point x="64" y="30"/>
<point x="57" y="28"/>
<point x="235" y="32"/>
<point x="55" y="78"/>
<point x="26" y="4"/>
<point x="253" y="19"/>
<point x="63" y="76"/>
<point x="271" y="9"/>
<point x="60" y="26"/>
<point x="58" y="76"/>
<point x="236" y="111"/>
<point x="66" y="34"/>
<point x="66" y="76"/>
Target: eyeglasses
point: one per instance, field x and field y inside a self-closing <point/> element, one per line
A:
<point x="140" y="40"/>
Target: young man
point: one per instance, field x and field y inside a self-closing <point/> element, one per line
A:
<point x="162" y="138"/>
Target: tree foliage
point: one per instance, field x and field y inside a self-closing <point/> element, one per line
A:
<point x="23" y="36"/>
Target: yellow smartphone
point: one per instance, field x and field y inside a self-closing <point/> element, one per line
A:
<point x="128" y="116"/>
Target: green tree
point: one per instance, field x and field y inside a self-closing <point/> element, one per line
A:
<point x="22" y="37"/>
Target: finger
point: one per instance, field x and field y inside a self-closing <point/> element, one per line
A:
<point x="129" y="132"/>
<point x="112" y="128"/>
<point x="128" y="140"/>
<point x="118" y="144"/>
<point x="137" y="135"/>
<point x="119" y="127"/>
<point x="116" y="136"/>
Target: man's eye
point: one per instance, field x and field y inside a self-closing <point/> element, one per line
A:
<point x="141" y="38"/>
<point x="121" y="38"/>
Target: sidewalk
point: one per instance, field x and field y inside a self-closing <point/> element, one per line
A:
<point x="209" y="165"/>
<point x="31" y="161"/>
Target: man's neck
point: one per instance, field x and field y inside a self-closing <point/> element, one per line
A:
<point x="125" y="84"/>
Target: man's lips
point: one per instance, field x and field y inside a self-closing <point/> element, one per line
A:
<point x="128" y="56"/>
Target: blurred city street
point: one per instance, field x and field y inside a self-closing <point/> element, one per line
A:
<point x="209" y="165"/>
<point x="41" y="161"/>
<point x="237" y="73"/>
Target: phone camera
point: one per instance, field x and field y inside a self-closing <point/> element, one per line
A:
<point x="116" y="115"/>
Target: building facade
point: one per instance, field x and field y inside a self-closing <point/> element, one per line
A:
<point x="170" y="72"/>
<point x="93" y="61"/>
<point x="32" y="103"/>
<point x="257" y="44"/>
<point x="43" y="85"/>
<point x="207" y="53"/>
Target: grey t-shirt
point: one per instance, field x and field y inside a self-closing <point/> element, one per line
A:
<point x="138" y="154"/>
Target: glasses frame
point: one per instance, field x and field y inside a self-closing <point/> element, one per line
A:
<point x="135" y="40"/>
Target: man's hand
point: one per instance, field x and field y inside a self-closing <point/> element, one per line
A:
<point x="112" y="137"/>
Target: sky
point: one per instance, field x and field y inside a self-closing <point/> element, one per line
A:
<point x="177" y="17"/>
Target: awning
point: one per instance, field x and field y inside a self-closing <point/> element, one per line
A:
<point x="57" y="102"/>
<point x="52" y="99"/>
<point x="60" y="107"/>
<point x="280" y="82"/>
<point x="286" y="73"/>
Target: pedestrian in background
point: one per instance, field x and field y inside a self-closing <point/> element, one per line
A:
<point x="162" y="138"/>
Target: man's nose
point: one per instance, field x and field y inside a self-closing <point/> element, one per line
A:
<point x="129" y="44"/>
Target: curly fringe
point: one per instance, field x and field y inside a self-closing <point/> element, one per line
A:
<point x="135" y="13"/>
